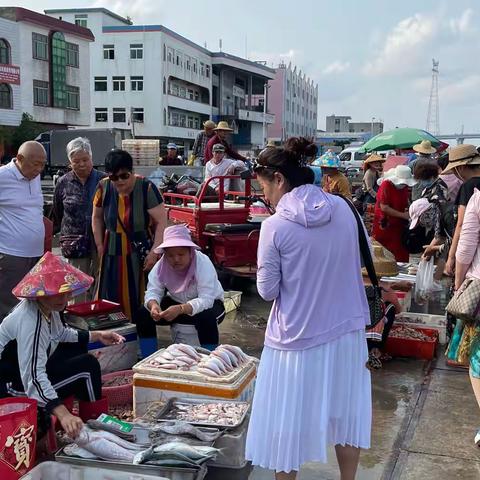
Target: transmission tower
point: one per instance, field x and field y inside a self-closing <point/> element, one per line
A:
<point x="433" y="116"/>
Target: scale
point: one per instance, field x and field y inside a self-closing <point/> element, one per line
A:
<point x="96" y="315"/>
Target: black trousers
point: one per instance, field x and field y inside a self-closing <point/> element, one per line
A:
<point x="390" y="315"/>
<point x="206" y="322"/>
<point x="70" y="369"/>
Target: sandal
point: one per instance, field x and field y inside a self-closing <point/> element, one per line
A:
<point x="373" y="362"/>
<point x="385" y="357"/>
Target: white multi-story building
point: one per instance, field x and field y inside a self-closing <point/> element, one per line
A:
<point x="293" y="98"/>
<point x="44" y="69"/>
<point x="157" y="84"/>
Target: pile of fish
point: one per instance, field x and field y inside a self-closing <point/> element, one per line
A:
<point x="404" y="331"/>
<point x="223" y="360"/>
<point x="176" y="454"/>
<point x="222" y="413"/>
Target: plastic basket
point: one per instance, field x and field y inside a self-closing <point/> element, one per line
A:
<point x="97" y="307"/>
<point x="407" y="347"/>
<point x="121" y="394"/>
<point x="18" y="432"/>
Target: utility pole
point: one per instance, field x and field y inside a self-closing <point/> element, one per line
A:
<point x="433" y="115"/>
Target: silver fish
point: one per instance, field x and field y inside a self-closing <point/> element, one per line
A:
<point x="101" y="447"/>
<point x="193" y="452"/>
<point x="207" y="371"/>
<point x="182" y="428"/>
<point x="73" y="450"/>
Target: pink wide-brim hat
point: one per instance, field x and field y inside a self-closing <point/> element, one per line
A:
<point x="176" y="236"/>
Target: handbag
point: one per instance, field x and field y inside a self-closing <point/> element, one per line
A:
<point x="142" y="247"/>
<point x="465" y="303"/>
<point x="75" y="246"/>
<point x="373" y="291"/>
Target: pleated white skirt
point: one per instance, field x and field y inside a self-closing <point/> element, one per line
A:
<point x="307" y="400"/>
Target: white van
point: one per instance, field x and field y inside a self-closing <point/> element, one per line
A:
<point x="351" y="157"/>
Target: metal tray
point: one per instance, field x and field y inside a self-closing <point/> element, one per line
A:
<point x="173" y="473"/>
<point x="172" y="402"/>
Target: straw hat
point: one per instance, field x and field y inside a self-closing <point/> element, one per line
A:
<point x="176" y="236"/>
<point x="374" y="158"/>
<point x="403" y="176"/>
<point x="271" y="143"/>
<point x="223" y="126"/>
<point x="209" y="124"/>
<point x="383" y="261"/>
<point x="464" y="154"/>
<point x="425" y="147"/>
<point x="52" y="276"/>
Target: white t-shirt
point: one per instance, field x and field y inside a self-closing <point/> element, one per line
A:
<point x="22" y="231"/>
<point x="220" y="170"/>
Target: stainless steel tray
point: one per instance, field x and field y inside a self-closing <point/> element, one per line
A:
<point x="163" y="415"/>
<point x="173" y="473"/>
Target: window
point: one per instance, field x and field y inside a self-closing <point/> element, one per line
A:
<point x="194" y="66"/>
<point x="197" y="96"/>
<point x="164" y="53"/>
<point x="190" y="122"/>
<point x="40" y="46"/>
<point x="118" y="84"/>
<point x="72" y="54"/>
<point x="190" y="94"/>
<point x="73" y="97"/>
<point x="164" y="116"/>
<point x="207" y="71"/>
<point x="188" y="62"/>
<point x="109" y="52"/>
<point x="119" y="115"/>
<point x="202" y="69"/>
<point x="100" y="84"/>
<point x="5" y="96"/>
<point x="182" y="91"/>
<point x="136" y="84"/>
<point x="170" y="55"/>
<point x="136" y="51"/>
<point x="196" y="124"/>
<point x="59" y="70"/>
<point x="164" y="85"/>
<point x="4" y="52"/>
<point x="174" y="119"/>
<point x="137" y="115"/>
<point x="178" y="59"/>
<point x="174" y="89"/>
<point x="40" y="93"/>
<point x="101" y="114"/>
<point x="81" y="20"/>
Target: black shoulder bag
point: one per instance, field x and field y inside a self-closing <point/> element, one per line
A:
<point x="373" y="291"/>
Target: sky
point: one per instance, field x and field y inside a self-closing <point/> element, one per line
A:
<point x="370" y="58"/>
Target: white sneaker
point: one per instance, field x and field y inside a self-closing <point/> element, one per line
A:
<point x="477" y="439"/>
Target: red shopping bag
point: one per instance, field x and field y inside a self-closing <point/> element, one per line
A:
<point x="18" y="434"/>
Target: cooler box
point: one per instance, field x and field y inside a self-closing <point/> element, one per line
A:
<point x="435" y="322"/>
<point x="409" y="347"/>
<point x="114" y="358"/>
<point x="152" y="385"/>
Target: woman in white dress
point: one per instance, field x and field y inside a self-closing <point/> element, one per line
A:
<point x="313" y="388"/>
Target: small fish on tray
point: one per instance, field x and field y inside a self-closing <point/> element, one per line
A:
<point x="178" y="427"/>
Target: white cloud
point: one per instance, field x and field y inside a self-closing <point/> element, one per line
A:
<point x="336" y="67"/>
<point x="462" y="24"/>
<point x="464" y="91"/>
<point x="402" y="45"/>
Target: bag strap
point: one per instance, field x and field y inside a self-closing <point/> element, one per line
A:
<point x="363" y="243"/>
<point x="127" y="233"/>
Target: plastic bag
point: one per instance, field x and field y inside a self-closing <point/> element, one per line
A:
<point x="425" y="284"/>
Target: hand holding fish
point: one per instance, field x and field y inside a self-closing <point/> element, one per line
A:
<point x="171" y="313"/>
<point x="155" y="310"/>
<point x="70" y="423"/>
<point x="107" y="338"/>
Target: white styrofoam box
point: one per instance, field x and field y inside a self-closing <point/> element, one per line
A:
<point x="113" y="358"/>
<point x="232" y="300"/>
<point x="64" y="471"/>
<point x="149" y="388"/>
<point x="232" y="447"/>
<point x="435" y="322"/>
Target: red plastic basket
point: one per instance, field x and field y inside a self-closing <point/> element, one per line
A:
<point x="121" y="394"/>
<point x="407" y="347"/>
<point x="97" y="307"/>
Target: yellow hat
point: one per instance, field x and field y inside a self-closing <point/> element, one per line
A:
<point x="223" y="126"/>
<point x="383" y="261"/>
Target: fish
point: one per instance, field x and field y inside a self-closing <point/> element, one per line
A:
<point x="233" y="358"/>
<point x="188" y="360"/>
<point x="182" y="428"/>
<point x="211" y="366"/>
<point x="224" y="356"/>
<point x="238" y="352"/>
<point x="166" y="458"/>
<point x="73" y="450"/>
<point x="189" y="350"/>
<point x="166" y="355"/>
<point x="169" y="366"/>
<point x="96" y="425"/>
<point x="218" y="362"/>
<point x="208" y="372"/>
<point x="111" y="437"/>
<point x="224" y="413"/>
<point x="190" y="451"/>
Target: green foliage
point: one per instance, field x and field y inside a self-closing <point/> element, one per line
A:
<point x="27" y="130"/>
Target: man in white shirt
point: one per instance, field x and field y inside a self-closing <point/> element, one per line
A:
<point x="219" y="166"/>
<point x="22" y="231"/>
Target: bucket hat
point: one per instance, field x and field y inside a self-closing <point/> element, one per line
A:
<point x="176" y="236"/>
<point x="374" y="158"/>
<point x="383" y="261"/>
<point x="328" y="160"/>
<point x="172" y="145"/>
<point x="425" y="147"/>
<point x="416" y="209"/>
<point x="403" y="176"/>
<point x="223" y="126"/>
<point x="218" y="147"/>
<point x="459" y="155"/>
<point x="52" y="276"/>
<point x="386" y="176"/>
<point x="209" y="124"/>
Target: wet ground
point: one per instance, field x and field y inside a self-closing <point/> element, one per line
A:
<point x="425" y="414"/>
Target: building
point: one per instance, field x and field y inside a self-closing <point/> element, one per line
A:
<point x="293" y="99"/>
<point x="239" y="98"/>
<point x="155" y="83"/>
<point x="342" y="124"/>
<point x="44" y="69"/>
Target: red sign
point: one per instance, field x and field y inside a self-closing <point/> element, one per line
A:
<point x="10" y="74"/>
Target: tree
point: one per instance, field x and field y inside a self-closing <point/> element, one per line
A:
<point x="27" y="130"/>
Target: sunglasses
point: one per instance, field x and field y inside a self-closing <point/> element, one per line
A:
<point x="121" y="176"/>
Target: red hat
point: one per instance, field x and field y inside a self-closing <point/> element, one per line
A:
<point x="51" y="276"/>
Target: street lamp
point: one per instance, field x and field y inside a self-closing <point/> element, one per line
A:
<point x="266" y="86"/>
<point x="371" y="128"/>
